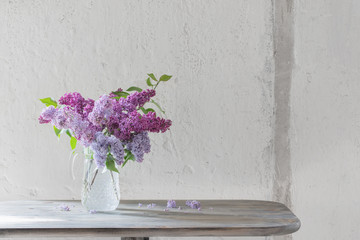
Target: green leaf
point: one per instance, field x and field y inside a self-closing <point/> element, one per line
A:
<point x="57" y="131"/>
<point x="123" y="165"/>
<point x="132" y="157"/>
<point x="148" y="82"/>
<point x="145" y="111"/>
<point x="152" y="76"/>
<point x="128" y="156"/>
<point x="120" y="94"/>
<point x="68" y="133"/>
<point x="157" y="105"/>
<point x="49" y="102"/>
<point x="165" y="78"/>
<point x="134" y="89"/>
<point x="110" y="163"/>
<point x="73" y="142"/>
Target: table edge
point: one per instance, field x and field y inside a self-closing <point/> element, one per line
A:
<point x="151" y="232"/>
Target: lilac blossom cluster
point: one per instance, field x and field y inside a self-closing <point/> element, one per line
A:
<point x="101" y="145"/>
<point x="110" y="125"/>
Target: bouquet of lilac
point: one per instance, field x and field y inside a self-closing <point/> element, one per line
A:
<point x="115" y="127"/>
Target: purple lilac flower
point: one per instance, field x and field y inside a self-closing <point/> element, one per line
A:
<point x="101" y="145"/>
<point x="74" y="100"/>
<point x="140" y="205"/>
<point x="47" y="114"/>
<point x="88" y="107"/>
<point x="66" y="118"/>
<point x="153" y="205"/>
<point x="78" y="103"/>
<point x="42" y="120"/>
<point x="92" y="211"/>
<point x="88" y="134"/>
<point x="137" y="99"/>
<point x="193" y="204"/>
<point x="100" y="148"/>
<point x="71" y="99"/>
<point x="102" y="111"/>
<point x="171" y="204"/>
<point x="61" y="118"/>
<point x="155" y="124"/>
<point x="135" y="123"/>
<point x="139" y="145"/>
<point x="116" y="149"/>
<point x="76" y="123"/>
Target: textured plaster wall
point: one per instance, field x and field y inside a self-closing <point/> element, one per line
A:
<point x="220" y="99"/>
<point x="325" y="113"/>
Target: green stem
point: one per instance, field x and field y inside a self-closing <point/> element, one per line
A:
<point x="92" y="182"/>
<point x="86" y="182"/>
<point x="157" y="84"/>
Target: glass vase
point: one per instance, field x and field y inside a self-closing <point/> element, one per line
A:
<point x="101" y="189"/>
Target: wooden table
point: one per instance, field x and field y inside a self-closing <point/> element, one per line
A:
<point x="216" y="218"/>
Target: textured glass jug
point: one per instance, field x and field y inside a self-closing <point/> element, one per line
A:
<point x="101" y="189"/>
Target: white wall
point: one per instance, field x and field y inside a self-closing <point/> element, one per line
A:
<point x="325" y="114"/>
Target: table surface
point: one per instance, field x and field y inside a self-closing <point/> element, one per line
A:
<point x="216" y="218"/>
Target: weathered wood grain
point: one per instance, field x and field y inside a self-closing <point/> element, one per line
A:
<point x="216" y="218"/>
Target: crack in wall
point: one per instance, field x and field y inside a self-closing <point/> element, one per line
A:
<point x="283" y="40"/>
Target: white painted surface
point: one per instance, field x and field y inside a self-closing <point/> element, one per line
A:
<point x="325" y="143"/>
<point x="220" y="100"/>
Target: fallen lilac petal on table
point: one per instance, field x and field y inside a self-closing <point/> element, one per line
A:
<point x="193" y="204"/>
<point x="151" y="205"/>
<point x="64" y="208"/>
<point x="92" y="211"/>
<point x="171" y="204"/>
